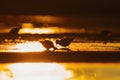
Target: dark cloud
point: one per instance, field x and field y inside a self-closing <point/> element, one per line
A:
<point x="60" y="7"/>
<point x="89" y="23"/>
<point x="88" y="14"/>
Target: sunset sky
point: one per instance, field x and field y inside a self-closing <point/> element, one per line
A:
<point x="92" y="15"/>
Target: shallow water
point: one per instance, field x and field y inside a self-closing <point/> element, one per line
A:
<point x="74" y="46"/>
<point x="60" y="71"/>
<point x="95" y="46"/>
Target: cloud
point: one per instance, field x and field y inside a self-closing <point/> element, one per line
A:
<point x="82" y="23"/>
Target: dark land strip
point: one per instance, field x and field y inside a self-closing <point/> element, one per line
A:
<point x="71" y="56"/>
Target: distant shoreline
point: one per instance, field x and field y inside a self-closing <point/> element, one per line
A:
<point x="70" y="56"/>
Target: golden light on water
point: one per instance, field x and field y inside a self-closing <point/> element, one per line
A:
<point x="38" y="71"/>
<point x="60" y="71"/>
<point x="33" y="46"/>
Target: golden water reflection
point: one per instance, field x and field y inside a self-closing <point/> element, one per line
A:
<point x="27" y="46"/>
<point x="60" y="71"/>
<point x="36" y="46"/>
<point x="36" y="71"/>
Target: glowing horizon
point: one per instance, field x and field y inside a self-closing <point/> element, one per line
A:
<point x="29" y="28"/>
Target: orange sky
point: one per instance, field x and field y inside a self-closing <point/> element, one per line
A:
<point x="88" y="23"/>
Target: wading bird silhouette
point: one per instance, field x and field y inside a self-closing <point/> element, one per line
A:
<point x="12" y="34"/>
<point x="65" y="42"/>
<point x="48" y="45"/>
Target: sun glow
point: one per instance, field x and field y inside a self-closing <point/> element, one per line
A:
<point x="29" y="28"/>
<point x="39" y="71"/>
<point x="36" y="30"/>
<point x="33" y="46"/>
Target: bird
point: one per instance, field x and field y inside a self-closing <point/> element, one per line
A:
<point x="64" y="41"/>
<point x="48" y="44"/>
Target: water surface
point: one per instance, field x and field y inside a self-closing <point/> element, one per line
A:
<point x="60" y="71"/>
